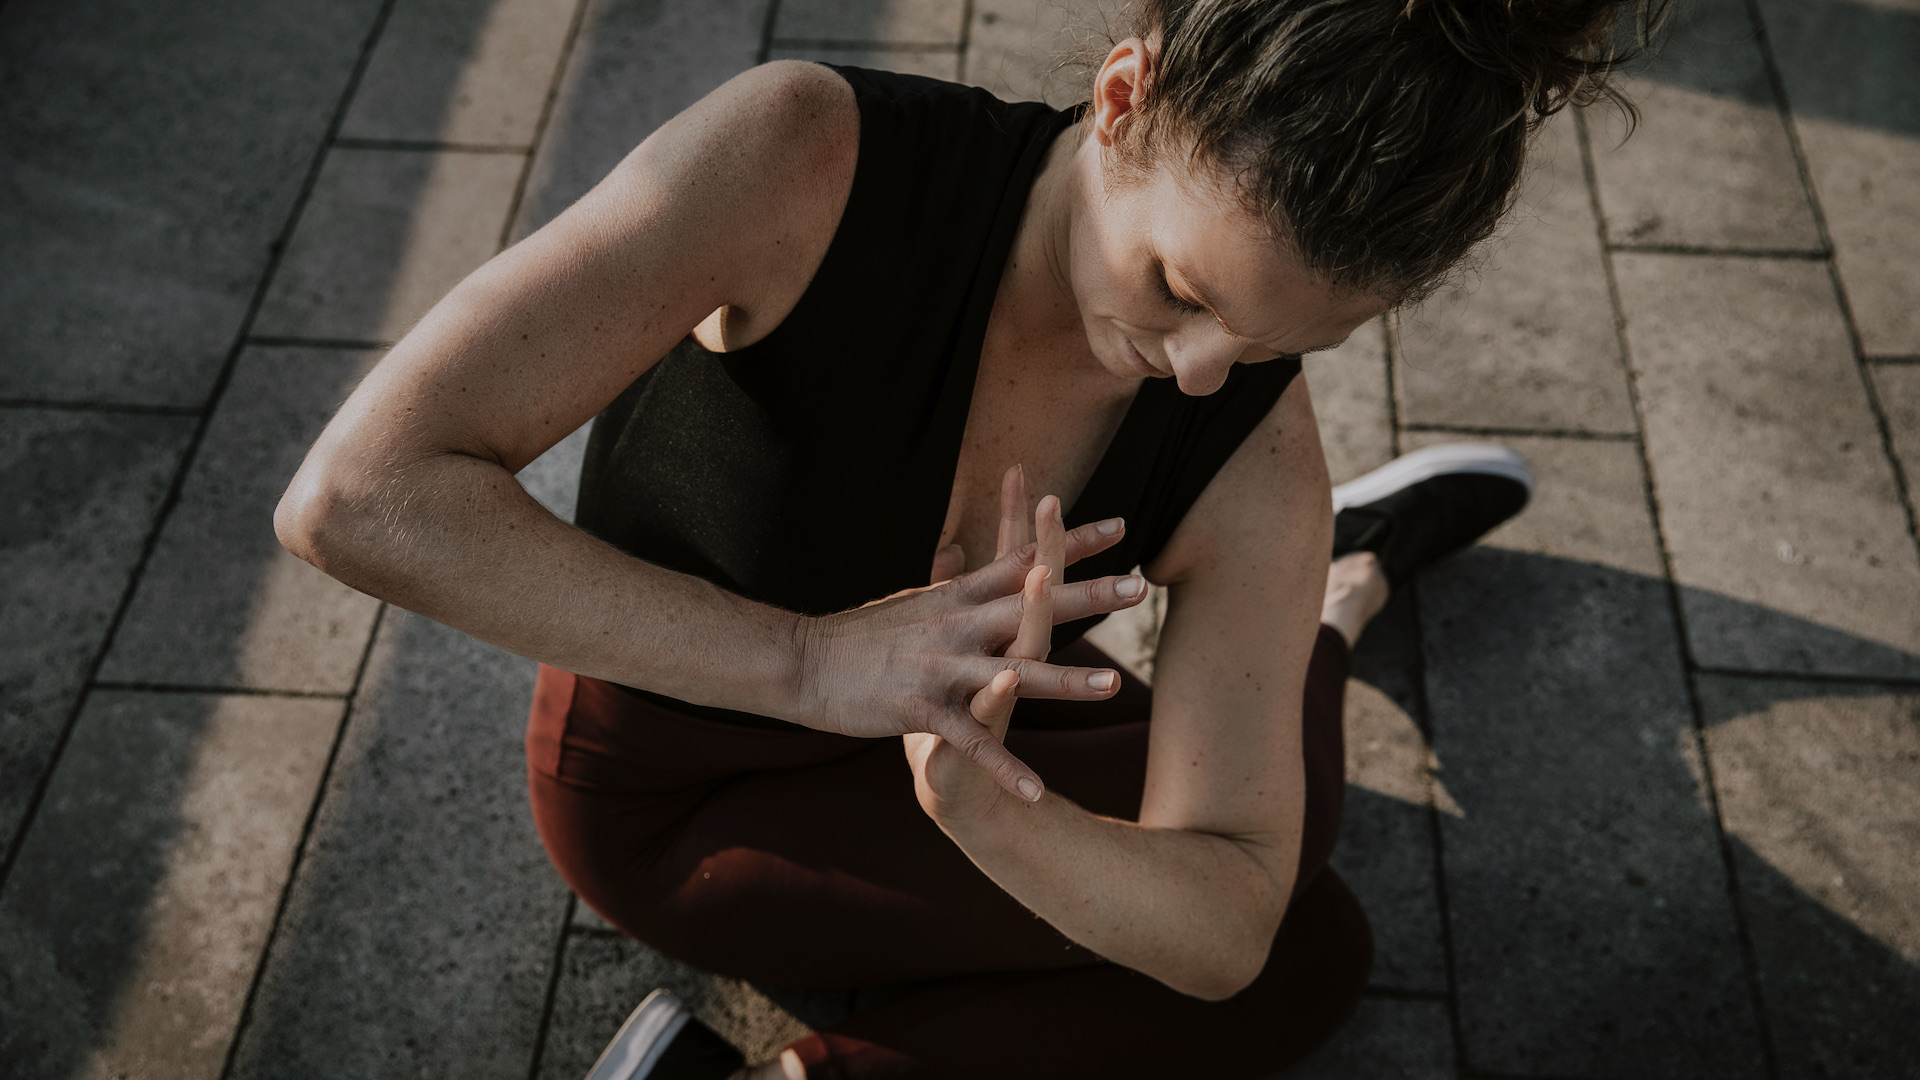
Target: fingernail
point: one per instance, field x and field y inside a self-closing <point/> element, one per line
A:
<point x="1130" y="586"/>
<point x="1029" y="789"/>
<point x="1102" y="680"/>
<point x="1109" y="526"/>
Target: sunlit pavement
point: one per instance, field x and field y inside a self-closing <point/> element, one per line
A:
<point x="1635" y="786"/>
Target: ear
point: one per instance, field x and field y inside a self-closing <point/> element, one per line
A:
<point x="1120" y="88"/>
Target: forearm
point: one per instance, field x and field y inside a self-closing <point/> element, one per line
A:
<point x="1195" y="910"/>
<point x="455" y="538"/>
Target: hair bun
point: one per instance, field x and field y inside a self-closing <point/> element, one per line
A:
<point x="1556" y="51"/>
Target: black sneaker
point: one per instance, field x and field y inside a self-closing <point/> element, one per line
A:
<point x="1421" y="507"/>
<point x="662" y="1041"/>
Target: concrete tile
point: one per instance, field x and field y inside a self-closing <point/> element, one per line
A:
<point x="1779" y="507"/>
<point x="143" y="191"/>
<point x="1898" y="388"/>
<point x="1528" y="342"/>
<point x="554" y="477"/>
<point x="943" y="64"/>
<point x="926" y="22"/>
<point x="131" y="925"/>
<point x="260" y="618"/>
<point x="460" y="71"/>
<point x="1710" y="164"/>
<point x="1820" y="789"/>
<point x="633" y="67"/>
<point x="1855" y="92"/>
<point x="1351" y="403"/>
<point x="80" y="491"/>
<point x="421" y="929"/>
<point x="604" y="976"/>
<point x="1592" y="930"/>
<point x="1386" y="835"/>
<point x="1042" y="50"/>
<point x="384" y="236"/>
<point x="1385" y="1040"/>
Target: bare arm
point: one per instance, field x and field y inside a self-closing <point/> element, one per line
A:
<point x="1193" y="893"/>
<point x="721" y="215"/>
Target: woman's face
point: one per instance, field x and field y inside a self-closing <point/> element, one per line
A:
<point x="1172" y="275"/>
<point x="1175" y="278"/>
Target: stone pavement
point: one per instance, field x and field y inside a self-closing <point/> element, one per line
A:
<point x="1635" y="785"/>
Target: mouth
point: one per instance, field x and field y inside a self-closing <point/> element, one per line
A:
<point x="1140" y="362"/>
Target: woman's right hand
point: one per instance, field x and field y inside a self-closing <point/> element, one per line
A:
<point x="915" y="661"/>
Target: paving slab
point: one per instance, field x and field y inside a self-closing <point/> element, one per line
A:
<point x="1854" y="90"/>
<point x="422" y="925"/>
<point x="1820" y="789"/>
<point x="221" y="603"/>
<point x="1387" y="1039"/>
<point x="1778" y="504"/>
<point x="926" y="22"/>
<point x="1386" y="831"/>
<point x="80" y="491"/>
<point x="1042" y="50"/>
<point x="1352" y="403"/>
<point x="462" y="71"/>
<point x="942" y="63"/>
<point x="553" y="478"/>
<point x="1593" y="933"/>
<point x="633" y="67"/>
<point x="603" y="976"/>
<point x="1710" y="163"/>
<point x="1528" y="341"/>
<point x="1898" y="387"/>
<point x="143" y="192"/>
<point x="131" y="924"/>
<point x="384" y="236"/>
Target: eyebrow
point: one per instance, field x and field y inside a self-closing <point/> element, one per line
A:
<point x="1206" y="301"/>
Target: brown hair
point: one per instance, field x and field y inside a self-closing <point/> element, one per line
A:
<point x="1382" y="139"/>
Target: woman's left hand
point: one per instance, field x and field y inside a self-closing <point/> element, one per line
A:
<point x="950" y="785"/>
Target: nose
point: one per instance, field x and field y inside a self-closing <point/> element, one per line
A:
<point x="1201" y="356"/>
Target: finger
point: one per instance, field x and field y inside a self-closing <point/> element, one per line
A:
<point x="948" y="563"/>
<point x="1005" y="575"/>
<point x="1096" y="596"/>
<point x="993" y="705"/>
<point x="1013" y="511"/>
<point x="1039" y="679"/>
<point x="1035" y="637"/>
<point x="1050" y="531"/>
<point x="974" y="740"/>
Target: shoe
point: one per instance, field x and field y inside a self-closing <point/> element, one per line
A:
<point x="662" y="1041"/>
<point x="1421" y="507"/>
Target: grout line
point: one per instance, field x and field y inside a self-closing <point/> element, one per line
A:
<point x="276" y="251"/>
<point x="306" y="835"/>
<point x="99" y="406"/>
<point x="125" y="686"/>
<point x="966" y="41"/>
<point x="766" y="32"/>
<point x="1795" y="254"/>
<point x="428" y="146"/>
<point x="1901" y="482"/>
<point x="1865" y="682"/>
<point x="856" y="45"/>
<point x="274" y="341"/>
<point x="553" y="987"/>
<point x="540" y="126"/>
<point x="1742" y="933"/>
<point x="1892" y="361"/>
<point x="596" y="931"/>
<point x="1519" y="432"/>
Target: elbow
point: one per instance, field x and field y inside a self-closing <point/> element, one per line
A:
<point x="1225" y="977"/>
<point x="314" y="518"/>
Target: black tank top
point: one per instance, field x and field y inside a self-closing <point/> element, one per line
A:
<point x="812" y="470"/>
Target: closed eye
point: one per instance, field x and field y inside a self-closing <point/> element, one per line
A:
<point x="1184" y="307"/>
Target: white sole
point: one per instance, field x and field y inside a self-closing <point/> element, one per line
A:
<point x="642" y="1040"/>
<point x="1403" y="472"/>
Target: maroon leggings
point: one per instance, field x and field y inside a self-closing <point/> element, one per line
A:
<point x="801" y="858"/>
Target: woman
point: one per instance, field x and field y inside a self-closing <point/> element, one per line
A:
<point x="840" y="325"/>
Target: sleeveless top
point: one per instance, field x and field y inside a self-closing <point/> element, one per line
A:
<point x="812" y="470"/>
